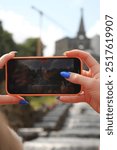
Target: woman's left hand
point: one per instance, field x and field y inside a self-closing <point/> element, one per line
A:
<point x="9" y="99"/>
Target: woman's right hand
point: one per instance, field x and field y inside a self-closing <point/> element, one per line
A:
<point x="90" y="81"/>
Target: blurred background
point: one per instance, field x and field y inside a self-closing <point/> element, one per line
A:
<point x="46" y="28"/>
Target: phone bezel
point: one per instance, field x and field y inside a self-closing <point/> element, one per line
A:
<point x="38" y="57"/>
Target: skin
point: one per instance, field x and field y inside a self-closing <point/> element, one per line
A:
<point x="8" y="99"/>
<point x="8" y="138"/>
<point x="89" y="80"/>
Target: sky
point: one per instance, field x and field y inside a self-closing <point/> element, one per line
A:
<point x="60" y="19"/>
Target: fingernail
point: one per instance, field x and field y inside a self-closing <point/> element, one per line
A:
<point x="65" y="52"/>
<point x="58" y="97"/>
<point x="13" y="52"/>
<point x="65" y="74"/>
<point x="23" y="102"/>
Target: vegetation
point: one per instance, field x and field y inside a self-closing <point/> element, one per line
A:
<point x="27" y="48"/>
<point x="37" y="102"/>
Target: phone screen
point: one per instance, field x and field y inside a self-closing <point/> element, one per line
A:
<point x="41" y="75"/>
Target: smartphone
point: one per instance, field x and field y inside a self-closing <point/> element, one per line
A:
<point x="40" y="76"/>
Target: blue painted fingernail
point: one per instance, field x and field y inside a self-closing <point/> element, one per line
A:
<point x="23" y="102"/>
<point x="65" y="74"/>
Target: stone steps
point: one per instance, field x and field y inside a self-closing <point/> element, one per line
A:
<point x="62" y="144"/>
<point x="54" y="119"/>
<point x="80" y="131"/>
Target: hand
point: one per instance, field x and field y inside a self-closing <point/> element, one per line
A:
<point x="89" y="80"/>
<point x="9" y="99"/>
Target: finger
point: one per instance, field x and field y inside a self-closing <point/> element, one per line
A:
<point x="86" y="82"/>
<point x="85" y="57"/>
<point x="72" y="99"/>
<point x="5" y="58"/>
<point x="86" y="73"/>
<point x="8" y="99"/>
<point x="80" y="79"/>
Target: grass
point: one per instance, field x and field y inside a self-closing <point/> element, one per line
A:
<point x="37" y="102"/>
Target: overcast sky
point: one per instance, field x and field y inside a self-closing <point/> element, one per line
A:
<point x="60" y="18"/>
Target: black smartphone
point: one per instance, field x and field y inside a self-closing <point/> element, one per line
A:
<point x="34" y="76"/>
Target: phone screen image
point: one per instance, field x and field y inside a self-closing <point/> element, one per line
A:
<point x="41" y="76"/>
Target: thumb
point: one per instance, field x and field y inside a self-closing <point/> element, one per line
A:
<point x="77" y="78"/>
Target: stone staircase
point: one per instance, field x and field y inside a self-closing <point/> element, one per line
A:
<point x="80" y="130"/>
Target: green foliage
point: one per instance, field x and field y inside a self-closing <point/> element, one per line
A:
<point x="37" y="102"/>
<point x="6" y="41"/>
<point x="27" y="48"/>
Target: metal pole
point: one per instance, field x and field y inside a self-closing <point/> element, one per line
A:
<point x="39" y="43"/>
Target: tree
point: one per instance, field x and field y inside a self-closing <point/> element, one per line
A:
<point x="28" y="48"/>
<point x="7" y="43"/>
